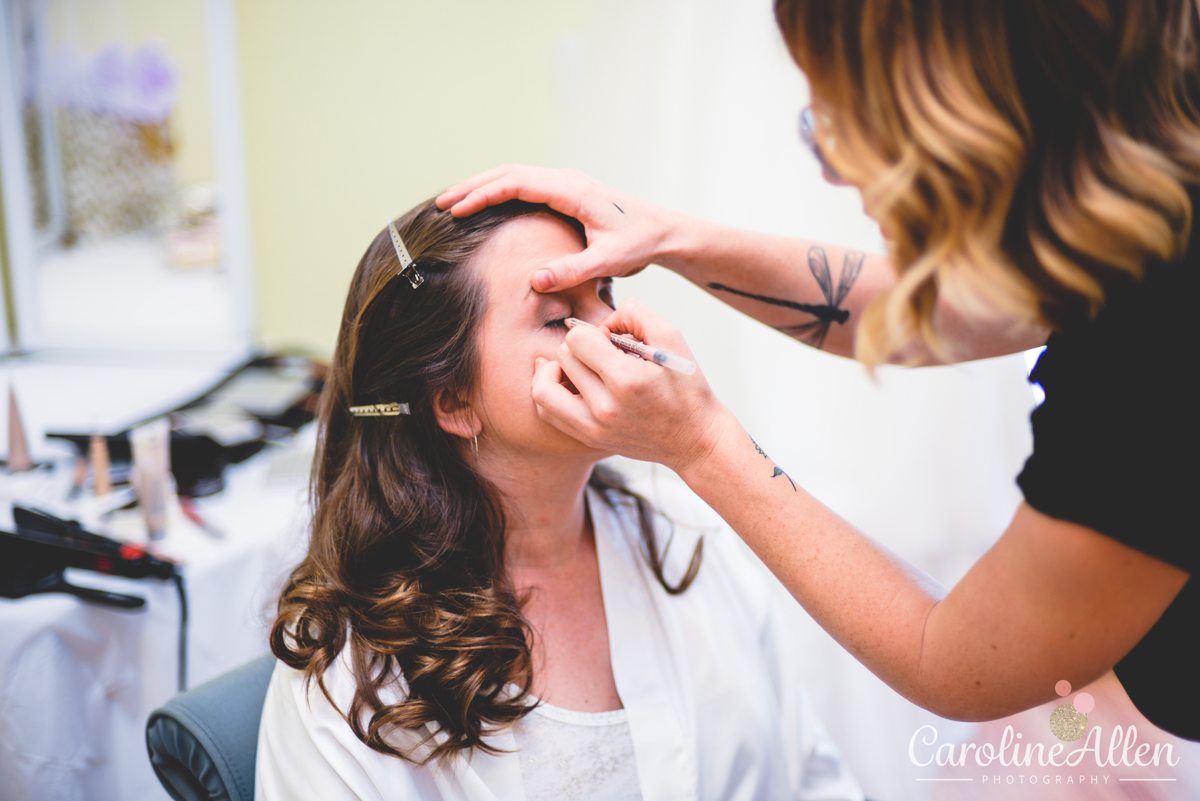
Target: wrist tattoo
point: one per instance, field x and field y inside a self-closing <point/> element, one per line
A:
<point x="813" y="331"/>
<point x="778" y="470"/>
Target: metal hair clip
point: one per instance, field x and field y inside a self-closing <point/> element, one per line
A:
<point x="380" y="410"/>
<point x="407" y="269"/>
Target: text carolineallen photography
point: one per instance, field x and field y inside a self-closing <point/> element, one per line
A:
<point x="1017" y="760"/>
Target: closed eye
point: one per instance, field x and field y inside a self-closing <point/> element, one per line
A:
<point x="561" y="322"/>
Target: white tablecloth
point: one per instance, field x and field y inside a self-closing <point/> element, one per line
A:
<point x="77" y="681"/>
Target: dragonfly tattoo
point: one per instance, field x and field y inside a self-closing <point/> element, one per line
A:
<point x="814" y="331"/>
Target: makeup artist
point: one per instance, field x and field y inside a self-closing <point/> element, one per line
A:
<point x="1033" y="167"/>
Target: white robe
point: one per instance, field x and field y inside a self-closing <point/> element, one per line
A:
<point x="714" y="699"/>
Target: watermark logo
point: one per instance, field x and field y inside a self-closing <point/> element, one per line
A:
<point x="1017" y="759"/>
<point x="1069" y="721"/>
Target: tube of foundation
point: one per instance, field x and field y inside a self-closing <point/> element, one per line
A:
<point x="151" y="446"/>
<point x="98" y="450"/>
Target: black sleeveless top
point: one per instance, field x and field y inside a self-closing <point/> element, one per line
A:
<point x="1115" y="448"/>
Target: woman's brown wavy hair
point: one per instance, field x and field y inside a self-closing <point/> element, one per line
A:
<point x="405" y="567"/>
<point x="1019" y="155"/>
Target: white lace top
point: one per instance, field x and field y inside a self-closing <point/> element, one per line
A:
<point x="567" y="755"/>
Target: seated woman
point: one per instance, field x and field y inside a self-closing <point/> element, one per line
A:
<point x="484" y="612"/>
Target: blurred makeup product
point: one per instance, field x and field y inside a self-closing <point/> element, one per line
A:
<point x="18" y="446"/>
<point x="78" y="477"/>
<point x="151" y="446"/>
<point x="190" y="512"/>
<point x="98" y="452"/>
<point x="670" y="360"/>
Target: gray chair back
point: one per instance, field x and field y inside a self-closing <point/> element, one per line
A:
<point x="203" y="742"/>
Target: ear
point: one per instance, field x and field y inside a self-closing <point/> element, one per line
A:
<point x="455" y="415"/>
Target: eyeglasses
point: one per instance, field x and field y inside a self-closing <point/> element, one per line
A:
<point x="808" y="135"/>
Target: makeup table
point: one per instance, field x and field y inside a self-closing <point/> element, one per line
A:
<point x="77" y="680"/>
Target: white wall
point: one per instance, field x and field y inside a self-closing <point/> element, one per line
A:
<point x="356" y="111"/>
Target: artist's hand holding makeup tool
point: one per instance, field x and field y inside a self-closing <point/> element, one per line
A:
<point x="633" y="406"/>
<point x="647" y="352"/>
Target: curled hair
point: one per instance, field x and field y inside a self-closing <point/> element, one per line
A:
<point x="1019" y="156"/>
<point x="405" y="567"/>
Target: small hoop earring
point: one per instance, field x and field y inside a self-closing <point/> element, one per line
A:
<point x="475" y="445"/>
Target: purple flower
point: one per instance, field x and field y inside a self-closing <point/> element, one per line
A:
<point x="151" y="84"/>
<point x="107" y="78"/>
<point x="140" y="88"/>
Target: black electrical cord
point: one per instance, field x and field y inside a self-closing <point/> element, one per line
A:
<point x="183" y="619"/>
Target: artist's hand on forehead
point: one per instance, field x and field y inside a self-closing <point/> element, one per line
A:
<point x="624" y="233"/>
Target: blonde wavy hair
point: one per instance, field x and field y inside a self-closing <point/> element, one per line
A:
<point x="1019" y="155"/>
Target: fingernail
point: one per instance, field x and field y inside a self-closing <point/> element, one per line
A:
<point x="543" y="281"/>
